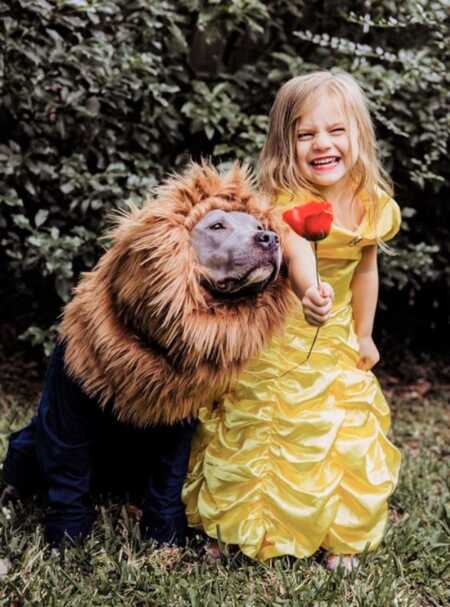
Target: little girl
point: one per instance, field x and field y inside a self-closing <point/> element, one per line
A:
<point x="296" y="455"/>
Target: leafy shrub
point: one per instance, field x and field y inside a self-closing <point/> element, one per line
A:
<point x="102" y="99"/>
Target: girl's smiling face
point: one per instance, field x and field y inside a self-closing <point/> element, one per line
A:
<point x="326" y="151"/>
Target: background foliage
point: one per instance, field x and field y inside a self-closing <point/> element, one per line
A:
<point x="101" y="99"/>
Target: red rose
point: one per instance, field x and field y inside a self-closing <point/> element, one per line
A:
<point x="311" y="220"/>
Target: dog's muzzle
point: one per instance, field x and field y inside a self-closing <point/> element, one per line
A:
<point x="266" y="239"/>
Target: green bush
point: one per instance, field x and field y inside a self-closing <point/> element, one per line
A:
<point x="102" y="99"/>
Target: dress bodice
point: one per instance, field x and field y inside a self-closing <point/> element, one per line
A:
<point x="341" y="251"/>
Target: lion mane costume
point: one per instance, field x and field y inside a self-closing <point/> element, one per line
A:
<point x="143" y="344"/>
<point x="144" y="330"/>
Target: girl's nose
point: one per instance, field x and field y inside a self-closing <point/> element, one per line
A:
<point x="322" y="141"/>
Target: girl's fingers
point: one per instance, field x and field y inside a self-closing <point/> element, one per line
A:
<point x="317" y="313"/>
<point x="320" y="306"/>
<point x="326" y="290"/>
<point x="365" y="364"/>
<point x="320" y="313"/>
<point x="316" y="298"/>
<point x="315" y="319"/>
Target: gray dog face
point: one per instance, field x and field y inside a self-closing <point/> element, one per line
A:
<point x="237" y="252"/>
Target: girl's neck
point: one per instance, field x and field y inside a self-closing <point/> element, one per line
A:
<point x="339" y="193"/>
<point x="348" y="210"/>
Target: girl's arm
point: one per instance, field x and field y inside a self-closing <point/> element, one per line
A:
<point x="364" y="302"/>
<point x="301" y="264"/>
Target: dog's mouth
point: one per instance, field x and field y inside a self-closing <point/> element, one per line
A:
<point x="252" y="282"/>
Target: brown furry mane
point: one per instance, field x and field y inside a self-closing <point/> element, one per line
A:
<point x="142" y="331"/>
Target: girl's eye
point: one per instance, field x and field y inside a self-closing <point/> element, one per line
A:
<point x="338" y="130"/>
<point x="217" y="226"/>
<point x="303" y="136"/>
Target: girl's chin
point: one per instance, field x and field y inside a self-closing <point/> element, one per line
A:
<point x="327" y="179"/>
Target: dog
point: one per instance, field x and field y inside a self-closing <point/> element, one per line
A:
<point x="192" y="287"/>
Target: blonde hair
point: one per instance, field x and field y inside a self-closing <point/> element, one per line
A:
<point x="278" y="170"/>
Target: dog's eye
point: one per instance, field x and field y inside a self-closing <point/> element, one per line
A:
<point x="260" y="227"/>
<point x="217" y="226"/>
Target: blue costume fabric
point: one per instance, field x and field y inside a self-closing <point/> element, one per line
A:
<point x="73" y="448"/>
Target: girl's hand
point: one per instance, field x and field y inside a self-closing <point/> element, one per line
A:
<point x="317" y="304"/>
<point x="368" y="353"/>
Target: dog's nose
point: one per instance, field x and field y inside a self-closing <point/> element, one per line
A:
<point x="266" y="239"/>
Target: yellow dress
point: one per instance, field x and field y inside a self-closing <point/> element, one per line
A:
<point x="296" y="457"/>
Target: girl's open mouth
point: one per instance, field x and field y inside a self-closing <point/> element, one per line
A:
<point x="324" y="164"/>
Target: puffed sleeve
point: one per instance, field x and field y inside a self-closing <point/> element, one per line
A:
<point x="389" y="219"/>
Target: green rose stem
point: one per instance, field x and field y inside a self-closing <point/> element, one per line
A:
<point x="318" y="328"/>
<point x="312" y="221"/>
<point x="318" y="287"/>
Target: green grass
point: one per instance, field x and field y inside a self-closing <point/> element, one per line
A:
<point x="115" y="567"/>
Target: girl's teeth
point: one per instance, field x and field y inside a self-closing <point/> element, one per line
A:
<point x="328" y="161"/>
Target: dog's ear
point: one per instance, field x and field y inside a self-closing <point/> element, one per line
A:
<point x="200" y="181"/>
<point x="207" y="179"/>
<point x="241" y="180"/>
